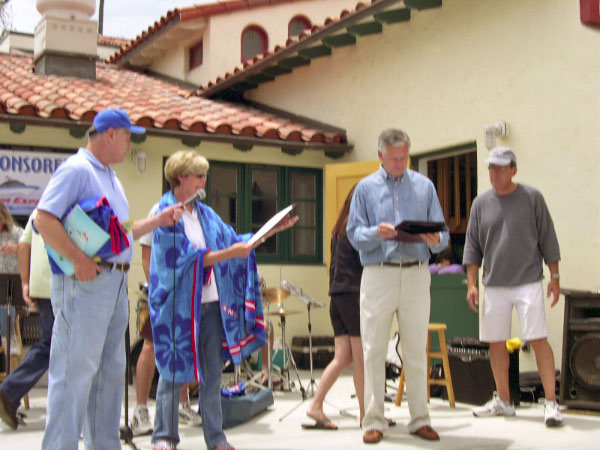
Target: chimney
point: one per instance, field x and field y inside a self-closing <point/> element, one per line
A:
<point x="66" y="40"/>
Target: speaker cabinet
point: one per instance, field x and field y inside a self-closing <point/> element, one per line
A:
<point x="580" y="374"/>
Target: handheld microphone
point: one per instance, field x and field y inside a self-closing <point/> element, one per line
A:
<point x="200" y="194"/>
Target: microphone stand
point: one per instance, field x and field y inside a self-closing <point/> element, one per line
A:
<point x="298" y="292"/>
<point x="125" y="432"/>
<point x="295" y="290"/>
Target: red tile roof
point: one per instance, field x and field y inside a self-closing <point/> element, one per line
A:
<point x="248" y="66"/>
<point x="150" y="102"/>
<point x="111" y="41"/>
<point x="193" y="13"/>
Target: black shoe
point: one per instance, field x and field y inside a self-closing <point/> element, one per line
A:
<point x="8" y="413"/>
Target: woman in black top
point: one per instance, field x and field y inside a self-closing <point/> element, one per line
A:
<point x="345" y="272"/>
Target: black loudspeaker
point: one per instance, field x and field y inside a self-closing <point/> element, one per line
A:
<point x="580" y="374"/>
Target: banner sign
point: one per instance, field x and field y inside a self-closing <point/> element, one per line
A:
<point x="24" y="176"/>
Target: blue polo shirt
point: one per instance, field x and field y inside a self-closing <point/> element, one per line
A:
<point x="380" y="197"/>
<point x="82" y="176"/>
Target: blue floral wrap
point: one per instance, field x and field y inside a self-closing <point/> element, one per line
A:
<point x="176" y="277"/>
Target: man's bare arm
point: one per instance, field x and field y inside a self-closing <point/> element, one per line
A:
<point x="24" y="256"/>
<point x="472" y="291"/>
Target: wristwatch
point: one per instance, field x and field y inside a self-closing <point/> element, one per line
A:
<point x="555" y="276"/>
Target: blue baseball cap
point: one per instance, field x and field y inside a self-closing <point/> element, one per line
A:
<point x="114" y="118"/>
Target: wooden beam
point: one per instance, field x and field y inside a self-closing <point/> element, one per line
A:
<point x="294" y="61"/>
<point x="366" y="28"/>
<point x="276" y="70"/>
<point x="422" y="4"/>
<point x="259" y="78"/>
<point x="393" y="16"/>
<point x="315" y="52"/>
<point x="340" y="40"/>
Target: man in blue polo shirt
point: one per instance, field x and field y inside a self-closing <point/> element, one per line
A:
<point x="395" y="278"/>
<point x="87" y="356"/>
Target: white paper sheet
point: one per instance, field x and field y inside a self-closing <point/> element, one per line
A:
<point x="271" y="223"/>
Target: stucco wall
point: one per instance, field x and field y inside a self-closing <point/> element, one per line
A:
<point x="450" y="71"/>
<point x="222" y="37"/>
<point x="143" y="190"/>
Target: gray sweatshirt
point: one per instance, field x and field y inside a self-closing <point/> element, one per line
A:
<point x="511" y="234"/>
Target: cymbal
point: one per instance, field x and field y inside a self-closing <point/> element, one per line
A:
<point x="281" y="312"/>
<point x="276" y="295"/>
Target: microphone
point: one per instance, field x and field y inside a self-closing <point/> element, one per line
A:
<point x="200" y="194"/>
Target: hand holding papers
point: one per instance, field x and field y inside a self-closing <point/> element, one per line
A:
<point x="85" y="233"/>
<point x="411" y="230"/>
<point x="275" y="224"/>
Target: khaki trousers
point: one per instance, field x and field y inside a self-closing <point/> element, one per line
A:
<point x="386" y="290"/>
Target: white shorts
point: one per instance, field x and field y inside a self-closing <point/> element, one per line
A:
<point x="496" y="313"/>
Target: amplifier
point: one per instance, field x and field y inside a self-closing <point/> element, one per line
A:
<point x="472" y="377"/>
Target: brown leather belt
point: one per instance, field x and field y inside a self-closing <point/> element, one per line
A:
<point x="114" y="266"/>
<point x="402" y="264"/>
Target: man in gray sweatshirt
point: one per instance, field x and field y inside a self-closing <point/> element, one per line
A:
<point x="511" y="231"/>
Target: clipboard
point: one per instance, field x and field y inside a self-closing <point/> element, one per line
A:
<point x="418" y="227"/>
<point x="270" y="224"/>
<point x="409" y="230"/>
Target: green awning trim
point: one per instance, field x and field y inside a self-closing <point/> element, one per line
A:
<point x="315" y="52"/>
<point x="393" y="16"/>
<point x="340" y="40"/>
<point x="363" y="29"/>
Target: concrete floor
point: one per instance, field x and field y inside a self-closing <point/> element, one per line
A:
<point x="457" y="426"/>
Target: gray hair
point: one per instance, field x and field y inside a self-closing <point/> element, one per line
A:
<point x="392" y="137"/>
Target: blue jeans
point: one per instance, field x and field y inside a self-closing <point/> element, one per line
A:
<point x="87" y="361"/>
<point x="24" y="377"/>
<point x="209" y="352"/>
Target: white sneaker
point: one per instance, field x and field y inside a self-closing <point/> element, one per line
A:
<point x="552" y="414"/>
<point x="188" y="415"/>
<point x="495" y="407"/>
<point x="140" y="423"/>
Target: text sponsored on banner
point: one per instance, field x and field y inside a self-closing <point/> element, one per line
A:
<point x="24" y="176"/>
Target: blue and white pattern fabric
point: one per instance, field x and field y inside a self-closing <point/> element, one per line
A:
<point x="176" y="277"/>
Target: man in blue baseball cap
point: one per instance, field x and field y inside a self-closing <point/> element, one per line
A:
<point x="114" y="118"/>
<point x="87" y="356"/>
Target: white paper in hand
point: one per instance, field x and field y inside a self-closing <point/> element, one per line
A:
<point x="271" y="223"/>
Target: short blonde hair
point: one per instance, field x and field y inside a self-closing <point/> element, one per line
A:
<point x="184" y="162"/>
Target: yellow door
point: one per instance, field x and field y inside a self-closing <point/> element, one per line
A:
<point x="339" y="179"/>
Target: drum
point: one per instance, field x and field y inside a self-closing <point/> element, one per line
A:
<point x="141" y="309"/>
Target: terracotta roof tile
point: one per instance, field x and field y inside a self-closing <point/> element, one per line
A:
<point x="150" y="102"/>
<point x="191" y="13"/>
<point x="111" y="41"/>
<point x="248" y="64"/>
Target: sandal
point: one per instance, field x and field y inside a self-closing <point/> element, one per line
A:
<point x="264" y="379"/>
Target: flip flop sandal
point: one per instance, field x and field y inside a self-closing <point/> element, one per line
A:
<point x="320" y="425"/>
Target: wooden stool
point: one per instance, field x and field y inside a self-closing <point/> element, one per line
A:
<point x="18" y="359"/>
<point x="443" y="354"/>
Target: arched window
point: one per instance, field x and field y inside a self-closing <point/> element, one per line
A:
<point x="196" y="55"/>
<point x="297" y="25"/>
<point x="254" y="42"/>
